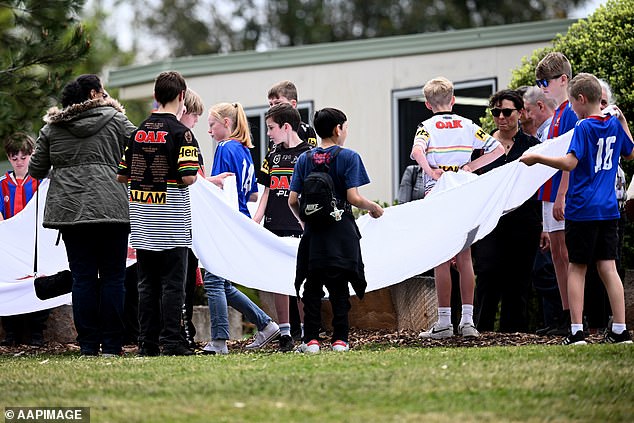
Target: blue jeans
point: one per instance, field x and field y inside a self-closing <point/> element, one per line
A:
<point x="220" y="293"/>
<point x="97" y="259"/>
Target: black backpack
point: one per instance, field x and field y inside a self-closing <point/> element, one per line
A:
<point x="318" y="203"/>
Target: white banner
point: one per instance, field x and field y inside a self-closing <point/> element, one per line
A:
<point x="407" y="240"/>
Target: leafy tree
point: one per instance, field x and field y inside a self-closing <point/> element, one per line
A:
<point x="190" y="27"/>
<point x="40" y="41"/>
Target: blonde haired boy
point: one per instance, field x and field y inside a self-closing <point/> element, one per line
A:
<point x="444" y="143"/>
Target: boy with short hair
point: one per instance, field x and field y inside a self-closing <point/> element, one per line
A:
<point x="286" y="92"/>
<point x="17" y="188"/>
<point x="193" y="107"/>
<point x="443" y="143"/>
<point x="330" y="254"/>
<point x="282" y="122"/>
<point x="592" y="211"/>
<point x="160" y="161"/>
<point x="552" y="75"/>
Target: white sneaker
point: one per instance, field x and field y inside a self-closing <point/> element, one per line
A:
<point x="311" y="348"/>
<point x="437" y="332"/>
<point x="340" y="346"/>
<point x="218" y="346"/>
<point x="266" y="335"/>
<point x="468" y="330"/>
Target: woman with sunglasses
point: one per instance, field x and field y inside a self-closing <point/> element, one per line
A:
<point x="503" y="260"/>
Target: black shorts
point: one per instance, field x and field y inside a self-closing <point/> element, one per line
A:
<point x="592" y="240"/>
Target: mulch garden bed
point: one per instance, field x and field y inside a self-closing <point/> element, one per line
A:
<point x="358" y="338"/>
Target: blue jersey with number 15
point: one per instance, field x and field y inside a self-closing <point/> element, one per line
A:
<point x="598" y="142"/>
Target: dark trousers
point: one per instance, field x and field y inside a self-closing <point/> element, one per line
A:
<point x="339" y="297"/>
<point x="97" y="259"/>
<point x="505" y="261"/>
<point x="23" y="327"/>
<point x="189" y="330"/>
<point x="131" y="306"/>
<point x="161" y="295"/>
<point x="545" y="284"/>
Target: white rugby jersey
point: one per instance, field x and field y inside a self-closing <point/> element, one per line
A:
<point x="448" y="140"/>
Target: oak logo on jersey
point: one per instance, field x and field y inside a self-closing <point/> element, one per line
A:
<point x="280" y="182"/>
<point x="148" y="197"/>
<point x="453" y="124"/>
<point x="151" y="136"/>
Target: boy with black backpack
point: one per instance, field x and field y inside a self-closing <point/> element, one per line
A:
<point x="329" y="252"/>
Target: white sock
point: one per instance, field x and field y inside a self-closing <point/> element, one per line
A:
<point x="576" y="327"/>
<point x="467" y="314"/>
<point x="444" y="316"/>
<point x="618" y="328"/>
<point x="285" y="329"/>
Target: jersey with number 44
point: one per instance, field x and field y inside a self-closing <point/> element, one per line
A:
<point x="597" y="143"/>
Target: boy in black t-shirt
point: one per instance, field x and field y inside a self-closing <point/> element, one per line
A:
<point x="282" y="122"/>
<point x="160" y="161"/>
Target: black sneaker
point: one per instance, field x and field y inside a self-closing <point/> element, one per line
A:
<point x="544" y="331"/>
<point x="8" y="341"/>
<point x="621" y="338"/>
<point x="286" y="343"/>
<point x="37" y="340"/>
<point x="577" y="339"/>
<point x="563" y="326"/>
<point x="176" y="349"/>
<point x="148" y="350"/>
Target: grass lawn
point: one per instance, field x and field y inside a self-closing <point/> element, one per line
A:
<point x="593" y="383"/>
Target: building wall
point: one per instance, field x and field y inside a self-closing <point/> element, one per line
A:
<point x="362" y="89"/>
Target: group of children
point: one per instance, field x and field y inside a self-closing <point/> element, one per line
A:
<point x="580" y="200"/>
<point x="159" y="198"/>
<point x="162" y="158"/>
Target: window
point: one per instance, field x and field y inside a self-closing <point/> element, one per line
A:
<point x="255" y="116"/>
<point x="408" y="110"/>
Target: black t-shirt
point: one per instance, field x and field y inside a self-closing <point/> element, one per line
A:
<point x="276" y="172"/>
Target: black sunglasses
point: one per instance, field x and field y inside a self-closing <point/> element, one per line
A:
<point x="544" y="82"/>
<point x="506" y="112"/>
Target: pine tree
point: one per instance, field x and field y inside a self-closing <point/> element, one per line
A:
<point x="40" y="43"/>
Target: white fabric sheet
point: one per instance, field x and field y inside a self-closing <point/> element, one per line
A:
<point x="407" y="240"/>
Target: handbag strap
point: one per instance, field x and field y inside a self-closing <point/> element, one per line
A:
<point x="37" y="214"/>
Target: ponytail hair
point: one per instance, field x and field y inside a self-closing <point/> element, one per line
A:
<point x="240" y="125"/>
<point x="78" y="91"/>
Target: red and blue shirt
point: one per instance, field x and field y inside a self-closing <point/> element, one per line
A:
<point x="564" y="119"/>
<point x="15" y="194"/>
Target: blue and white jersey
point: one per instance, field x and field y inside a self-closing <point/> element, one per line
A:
<point x="597" y="142"/>
<point x="232" y="156"/>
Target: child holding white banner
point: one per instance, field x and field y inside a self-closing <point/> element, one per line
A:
<point x="442" y="143"/>
<point x="592" y="211"/>
<point x="282" y="122"/>
<point x="329" y="254"/>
